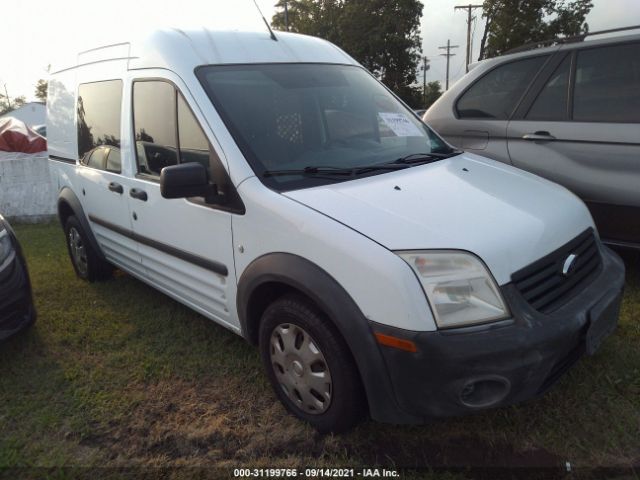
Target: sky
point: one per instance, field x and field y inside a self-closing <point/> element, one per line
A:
<point x="37" y="33"/>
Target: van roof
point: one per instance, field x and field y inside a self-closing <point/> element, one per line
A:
<point x="178" y="49"/>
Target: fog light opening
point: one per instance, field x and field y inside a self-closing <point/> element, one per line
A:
<point x="484" y="392"/>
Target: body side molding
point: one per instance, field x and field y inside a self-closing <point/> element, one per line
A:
<point x="205" y="263"/>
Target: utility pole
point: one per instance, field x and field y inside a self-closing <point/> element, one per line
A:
<point x="425" y="67"/>
<point x="448" y="55"/>
<point x="286" y="15"/>
<point x="469" y="8"/>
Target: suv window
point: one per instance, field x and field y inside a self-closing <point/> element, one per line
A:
<point x="607" y="85"/>
<point x="98" y="112"/>
<point x="551" y="103"/>
<point x="496" y="94"/>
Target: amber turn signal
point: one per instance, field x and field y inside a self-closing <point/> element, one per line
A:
<point x="395" y="342"/>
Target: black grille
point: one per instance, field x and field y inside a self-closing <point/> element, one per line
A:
<point x="543" y="284"/>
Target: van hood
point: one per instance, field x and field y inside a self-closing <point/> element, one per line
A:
<point x="507" y="217"/>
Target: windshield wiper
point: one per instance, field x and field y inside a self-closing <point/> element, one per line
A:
<point x="337" y="171"/>
<point x="424" y="157"/>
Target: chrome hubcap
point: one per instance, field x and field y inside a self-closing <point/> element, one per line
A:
<point x="78" y="252"/>
<point x="300" y="368"/>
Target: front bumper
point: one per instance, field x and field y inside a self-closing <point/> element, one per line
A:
<point x="459" y="371"/>
<point x="16" y="302"/>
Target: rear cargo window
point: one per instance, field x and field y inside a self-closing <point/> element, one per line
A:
<point x="98" y="111"/>
<point x="496" y="95"/>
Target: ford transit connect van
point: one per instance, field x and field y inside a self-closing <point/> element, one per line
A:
<point x="277" y="188"/>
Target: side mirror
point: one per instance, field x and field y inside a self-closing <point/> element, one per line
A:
<point x="185" y="180"/>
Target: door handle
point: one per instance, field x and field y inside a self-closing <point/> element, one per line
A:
<point x="116" y="187"/>
<point x="539" y="136"/>
<point x="139" y="194"/>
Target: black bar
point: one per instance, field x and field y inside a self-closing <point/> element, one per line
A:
<point x="215" y="267"/>
<point x="62" y="159"/>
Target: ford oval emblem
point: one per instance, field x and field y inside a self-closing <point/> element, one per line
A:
<point x="569" y="264"/>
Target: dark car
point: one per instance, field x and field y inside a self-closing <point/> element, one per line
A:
<point x="16" y="302"/>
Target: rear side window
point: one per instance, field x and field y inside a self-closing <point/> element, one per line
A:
<point x="607" y="85"/>
<point x="496" y="95"/>
<point x="551" y="103"/>
<point x="97" y="158"/>
<point x="98" y="120"/>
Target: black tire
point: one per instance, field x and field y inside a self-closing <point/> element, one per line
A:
<point x="87" y="264"/>
<point x="345" y="405"/>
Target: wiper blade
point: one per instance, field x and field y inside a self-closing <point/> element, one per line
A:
<point x="337" y="171"/>
<point x="424" y="157"/>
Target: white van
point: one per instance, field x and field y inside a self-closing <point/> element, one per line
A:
<point x="276" y="187"/>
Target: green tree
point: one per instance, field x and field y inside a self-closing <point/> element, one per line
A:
<point x="432" y="93"/>
<point x="41" y="90"/>
<point x="383" y="35"/>
<point x="7" y="106"/>
<point x="319" y="18"/>
<point x="512" y="23"/>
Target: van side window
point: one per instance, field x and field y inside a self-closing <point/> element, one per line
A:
<point x="496" y="95"/>
<point x="113" y="160"/>
<point x="97" y="158"/>
<point x="154" y="123"/>
<point x="607" y="85"/>
<point x="551" y="103"/>
<point x="98" y="119"/>
<point x="194" y="146"/>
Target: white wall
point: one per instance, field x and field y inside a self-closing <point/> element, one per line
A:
<point x="32" y="113"/>
<point x="27" y="193"/>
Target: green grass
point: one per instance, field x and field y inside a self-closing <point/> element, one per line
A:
<point x="117" y="374"/>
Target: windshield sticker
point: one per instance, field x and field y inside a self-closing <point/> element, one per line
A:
<point x="400" y="125"/>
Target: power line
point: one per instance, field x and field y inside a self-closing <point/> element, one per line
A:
<point x="469" y="8"/>
<point x="448" y="48"/>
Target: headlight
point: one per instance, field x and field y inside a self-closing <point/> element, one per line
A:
<point x="460" y="289"/>
<point x="6" y="247"/>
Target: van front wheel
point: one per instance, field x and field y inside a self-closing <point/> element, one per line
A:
<point x="309" y="365"/>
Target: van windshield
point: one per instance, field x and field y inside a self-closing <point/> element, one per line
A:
<point x="299" y="125"/>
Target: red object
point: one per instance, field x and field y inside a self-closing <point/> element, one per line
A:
<point x="15" y="136"/>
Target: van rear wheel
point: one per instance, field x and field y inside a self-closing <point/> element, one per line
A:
<point x="309" y="365"/>
<point x="86" y="262"/>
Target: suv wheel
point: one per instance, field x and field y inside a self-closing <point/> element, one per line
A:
<point x="310" y="366"/>
<point x="84" y="259"/>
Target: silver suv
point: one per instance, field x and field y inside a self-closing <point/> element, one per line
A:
<point x="569" y="112"/>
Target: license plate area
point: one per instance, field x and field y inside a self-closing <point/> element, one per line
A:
<point x="603" y="321"/>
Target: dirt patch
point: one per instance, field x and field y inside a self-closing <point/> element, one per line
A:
<point x="222" y="422"/>
<point x="204" y="424"/>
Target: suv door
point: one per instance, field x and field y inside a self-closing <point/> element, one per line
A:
<point x="580" y="128"/>
<point x="186" y="244"/>
<point x="483" y="110"/>
<point x="100" y="172"/>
